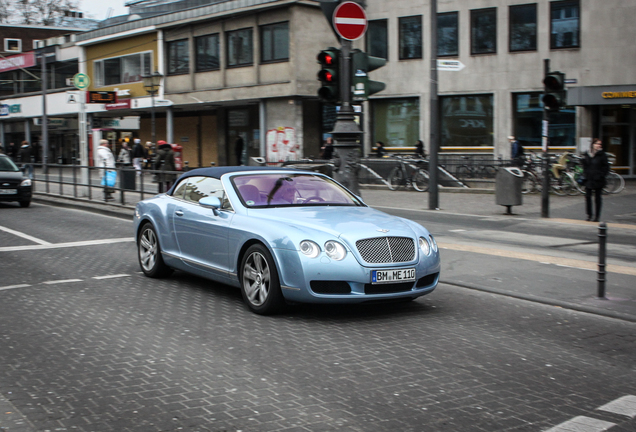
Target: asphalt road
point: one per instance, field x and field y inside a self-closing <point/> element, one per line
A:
<point x="87" y="343"/>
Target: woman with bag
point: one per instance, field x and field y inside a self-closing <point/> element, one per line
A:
<point x="104" y="159"/>
<point x="595" y="168"/>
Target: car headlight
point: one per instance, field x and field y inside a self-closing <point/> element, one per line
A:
<point x="309" y="248"/>
<point x="433" y="242"/>
<point x="425" y="247"/>
<point x="335" y="250"/>
<point x="26" y="182"/>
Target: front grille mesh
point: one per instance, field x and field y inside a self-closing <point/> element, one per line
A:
<point x="386" y="250"/>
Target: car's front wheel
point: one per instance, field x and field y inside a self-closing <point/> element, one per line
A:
<point x="259" y="281"/>
<point x="149" y="253"/>
<point x="25" y="203"/>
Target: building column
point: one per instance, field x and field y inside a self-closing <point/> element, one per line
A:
<point x="5" y="145"/>
<point x="170" y="125"/>
<point x="27" y="130"/>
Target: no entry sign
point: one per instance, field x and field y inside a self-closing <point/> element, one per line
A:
<point x="350" y="20"/>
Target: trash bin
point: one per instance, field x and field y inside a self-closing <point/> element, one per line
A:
<point x="257" y="161"/>
<point x="508" y="186"/>
<point x="128" y="178"/>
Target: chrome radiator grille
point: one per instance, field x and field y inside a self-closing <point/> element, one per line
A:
<point x="384" y="250"/>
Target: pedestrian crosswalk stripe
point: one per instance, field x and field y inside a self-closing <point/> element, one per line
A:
<point x="14" y="287"/>
<point x="625" y="405"/>
<point x="110" y="276"/>
<point x="582" y="423"/>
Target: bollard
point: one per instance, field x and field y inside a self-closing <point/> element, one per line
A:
<point x="602" y="242"/>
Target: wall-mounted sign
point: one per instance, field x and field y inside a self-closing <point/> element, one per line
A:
<point x="123" y="104"/>
<point x="108" y="97"/>
<point x="619" y="94"/>
<point x="5" y="109"/>
<point x="17" y="61"/>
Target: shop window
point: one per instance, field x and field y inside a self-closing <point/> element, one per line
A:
<point x="448" y="34"/>
<point x="528" y="117"/>
<point x="122" y="70"/>
<point x="396" y="122"/>
<point x="523" y="27"/>
<point x="377" y="39"/>
<point x="564" y="24"/>
<point x="13" y="45"/>
<point x="178" y="57"/>
<point x="410" y="37"/>
<point x="275" y="42"/>
<point x="466" y="120"/>
<point x="240" y="47"/>
<point x="207" y="53"/>
<point x="483" y="31"/>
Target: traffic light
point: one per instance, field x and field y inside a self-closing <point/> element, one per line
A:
<point x="328" y="76"/>
<point x="555" y="94"/>
<point x="361" y="64"/>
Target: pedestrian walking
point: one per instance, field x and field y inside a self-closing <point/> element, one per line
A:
<point x="326" y="151"/>
<point x="138" y="155"/>
<point x="124" y="156"/>
<point x="149" y="155"/>
<point x="12" y="151"/>
<point x="379" y="149"/>
<point x="595" y="168"/>
<point x="420" y="152"/>
<point x="25" y="153"/>
<point x="516" y="151"/>
<point x="164" y="162"/>
<point x="239" y="144"/>
<point x="104" y="159"/>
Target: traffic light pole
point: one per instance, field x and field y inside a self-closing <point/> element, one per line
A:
<point x="545" y="193"/>
<point x="433" y="192"/>
<point x="346" y="132"/>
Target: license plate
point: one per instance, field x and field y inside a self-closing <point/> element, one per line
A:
<point x="392" y="275"/>
<point x="8" y="191"/>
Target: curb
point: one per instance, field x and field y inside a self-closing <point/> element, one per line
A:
<point x="122" y="211"/>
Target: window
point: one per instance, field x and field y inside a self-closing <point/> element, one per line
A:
<point x="207" y="53"/>
<point x="122" y="70"/>
<point x="410" y="37"/>
<point x="396" y="122"/>
<point x="466" y="120"/>
<point x="523" y="27"/>
<point x="194" y="188"/>
<point x="377" y="39"/>
<point x="13" y="45"/>
<point x="275" y="42"/>
<point x="178" y="57"/>
<point x="239" y="47"/>
<point x="528" y="117"/>
<point x="483" y="31"/>
<point x="448" y="34"/>
<point x="36" y="43"/>
<point x="564" y="24"/>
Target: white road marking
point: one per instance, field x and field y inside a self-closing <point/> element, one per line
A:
<point x="14" y="287"/>
<point x="66" y="245"/>
<point x="625" y="405"/>
<point x="24" y="236"/>
<point x="62" y="281"/>
<point x="457" y="230"/>
<point x="111" y="276"/>
<point x="582" y="424"/>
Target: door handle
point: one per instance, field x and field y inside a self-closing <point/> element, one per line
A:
<point x="179" y="213"/>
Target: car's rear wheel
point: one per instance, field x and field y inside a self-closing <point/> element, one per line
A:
<point x="149" y="253"/>
<point x="260" y="285"/>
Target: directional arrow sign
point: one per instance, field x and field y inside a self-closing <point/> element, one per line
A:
<point x="350" y="20"/>
<point x="450" y="65"/>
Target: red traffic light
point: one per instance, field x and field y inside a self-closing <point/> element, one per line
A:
<point x="326" y="75"/>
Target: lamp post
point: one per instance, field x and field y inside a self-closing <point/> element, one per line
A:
<point x="151" y="84"/>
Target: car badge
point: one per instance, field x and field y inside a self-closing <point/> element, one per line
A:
<point x="5" y="184"/>
<point x="383" y="230"/>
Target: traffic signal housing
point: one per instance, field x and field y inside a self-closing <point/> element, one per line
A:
<point x="555" y="94"/>
<point x="361" y="64"/>
<point x="328" y="75"/>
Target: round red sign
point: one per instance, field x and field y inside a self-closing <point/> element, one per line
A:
<point x="350" y="20"/>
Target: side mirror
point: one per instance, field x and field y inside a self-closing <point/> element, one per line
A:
<point x="211" y="202"/>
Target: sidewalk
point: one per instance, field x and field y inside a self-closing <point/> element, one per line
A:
<point x="619" y="212"/>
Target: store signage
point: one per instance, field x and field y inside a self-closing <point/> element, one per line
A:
<point x="5" y="109"/>
<point x="619" y="95"/>
<point x="52" y="122"/>
<point x="108" y="97"/>
<point x="450" y="65"/>
<point x="17" y="61"/>
<point x="123" y="104"/>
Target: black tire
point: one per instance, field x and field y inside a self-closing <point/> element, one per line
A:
<point x="260" y="285"/>
<point x="25" y="204"/>
<point x="420" y="181"/>
<point x="396" y="178"/>
<point x="529" y="184"/>
<point x="149" y="253"/>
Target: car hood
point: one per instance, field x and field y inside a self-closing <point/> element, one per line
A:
<point x="11" y="176"/>
<point x="349" y="223"/>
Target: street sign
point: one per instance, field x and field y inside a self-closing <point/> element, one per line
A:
<point x="450" y="65"/>
<point x="81" y="81"/>
<point x="350" y="20"/>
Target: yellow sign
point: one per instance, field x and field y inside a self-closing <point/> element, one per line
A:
<point x="617" y="95"/>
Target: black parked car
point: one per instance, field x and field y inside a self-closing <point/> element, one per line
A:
<point x="14" y="184"/>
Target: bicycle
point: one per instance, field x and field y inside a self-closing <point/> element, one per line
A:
<point x="471" y="170"/>
<point x="399" y="176"/>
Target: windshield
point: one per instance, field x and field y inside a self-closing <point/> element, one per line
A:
<point x="291" y="190"/>
<point x="7" y="164"/>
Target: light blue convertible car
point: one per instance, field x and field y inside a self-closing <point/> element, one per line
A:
<point x="283" y="236"/>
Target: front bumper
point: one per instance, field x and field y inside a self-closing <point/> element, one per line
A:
<point x="24" y="193"/>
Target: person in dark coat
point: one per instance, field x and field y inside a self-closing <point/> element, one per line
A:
<point x="238" y="149"/>
<point x="25" y="153"/>
<point x="419" y="149"/>
<point x="326" y="151"/>
<point x="164" y="161"/>
<point x="379" y="149"/>
<point x="595" y="168"/>
<point x="12" y="151"/>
